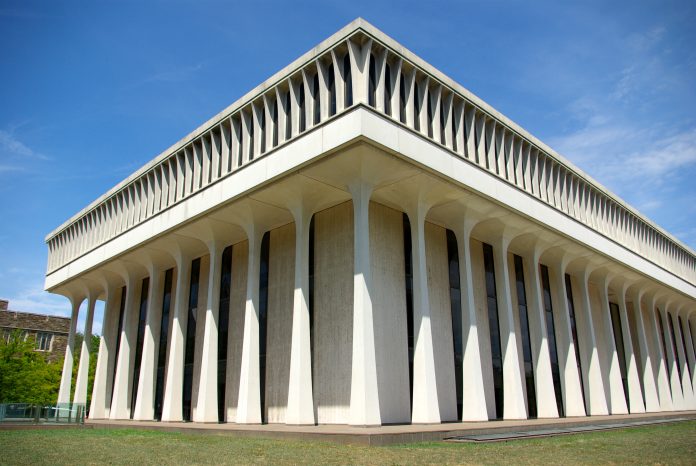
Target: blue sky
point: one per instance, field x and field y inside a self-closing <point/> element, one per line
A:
<point x="90" y="91"/>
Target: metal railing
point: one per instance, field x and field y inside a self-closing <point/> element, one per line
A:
<point x="61" y="413"/>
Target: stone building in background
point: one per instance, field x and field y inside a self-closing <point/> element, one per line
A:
<point x="360" y="240"/>
<point x="50" y="333"/>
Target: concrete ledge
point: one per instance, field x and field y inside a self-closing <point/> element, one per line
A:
<point x="384" y="435"/>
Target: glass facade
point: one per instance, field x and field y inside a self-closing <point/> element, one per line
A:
<point x="163" y="339"/>
<point x="674" y="345"/>
<point x="263" y="318"/>
<point x="456" y="310"/>
<point x="551" y="336"/>
<point x="494" y="328"/>
<point x="683" y="340"/>
<point x="142" y="316"/>
<point x="526" y="339"/>
<point x="574" y="334"/>
<point x="190" y="338"/>
<point x="121" y="311"/>
<point x="223" y="325"/>
<point x="618" y="342"/>
<point x="408" y="276"/>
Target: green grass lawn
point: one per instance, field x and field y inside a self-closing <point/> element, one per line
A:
<point x="664" y="444"/>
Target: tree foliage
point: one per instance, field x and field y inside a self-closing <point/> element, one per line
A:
<point x="26" y="376"/>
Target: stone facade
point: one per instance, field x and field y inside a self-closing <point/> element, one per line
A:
<point x="34" y="324"/>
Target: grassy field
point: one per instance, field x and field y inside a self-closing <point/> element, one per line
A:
<point x="665" y="444"/>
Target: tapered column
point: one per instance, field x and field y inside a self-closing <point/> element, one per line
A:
<point x="83" y="370"/>
<point x="543" y="377"/>
<point x="674" y="382"/>
<point x="172" y="409"/>
<point x="474" y="394"/>
<point x="120" y="406"/>
<point x="687" y="390"/>
<point x="300" y="408"/>
<point x="249" y="403"/>
<point x="573" y="396"/>
<point x="617" y="399"/>
<point x="66" y="377"/>
<point x="101" y="391"/>
<point x="145" y="402"/>
<point x="426" y="407"/>
<point x="652" y="401"/>
<point x="513" y="395"/>
<point x="635" y="395"/>
<point x="663" y="389"/>
<point x="207" y="406"/>
<point x="594" y="384"/>
<point x="364" y="395"/>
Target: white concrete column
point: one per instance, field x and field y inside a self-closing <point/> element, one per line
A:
<point x="687" y="390"/>
<point x="663" y="389"/>
<point x="572" y="395"/>
<point x="172" y="409"/>
<point x="300" y="408"/>
<point x="101" y="396"/>
<point x="652" y="402"/>
<point x="635" y="394"/>
<point x="83" y="369"/>
<point x="538" y="333"/>
<point x="474" y="394"/>
<point x="674" y="382"/>
<point x="66" y="377"/>
<point x="120" y="405"/>
<point x="514" y="406"/>
<point x="249" y="401"/>
<point x="145" y="402"/>
<point x="364" y="394"/>
<point x="426" y="406"/>
<point x="612" y="373"/>
<point x="207" y="405"/>
<point x="594" y="384"/>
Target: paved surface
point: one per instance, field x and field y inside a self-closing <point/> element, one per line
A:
<point x="385" y="435"/>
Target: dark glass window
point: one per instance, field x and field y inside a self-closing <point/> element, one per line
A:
<point x="251" y="139"/>
<point x="664" y="344"/>
<point x="274" y="116"/>
<point x="372" y="83"/>
<point x="240" y="143"/>
<point x="332" y="91"/>
<point x="674" y="345"/>
<point x="121" y="311"/>
<point x="348" y="88"/>
<point x="574" y="333"/>
<point x="408" y="276"/>
<point x="682" y="329"/>
<point x="262" y="130"/>
<point x="551" y="335"/>
<point x="416" y="107"/>
<point x="223" y="325"/>
<point x="494" y="328"/>
<point x="190" y="338"/>
<point x="317" y="99"/>
<point x="164" y="338"/>
<point x="142" y="316"/>
<point x="387" y="89"/>
<point x="618" y="342"/>
<point x="456" y="311"/>
<point x="526" y="340"/>
<point x="442" y="125"/>
<point x="263" y="318"/>
<point x="431" y="113"/>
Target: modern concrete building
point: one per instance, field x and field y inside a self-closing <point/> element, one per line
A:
<point x="360" y="240"/>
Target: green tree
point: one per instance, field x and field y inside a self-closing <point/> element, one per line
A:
<point x="26" y="376"/>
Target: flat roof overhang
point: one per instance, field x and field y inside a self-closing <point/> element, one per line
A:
<point x="319" y="166"/>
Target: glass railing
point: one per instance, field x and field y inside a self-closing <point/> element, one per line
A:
<point x="61" y="413"/>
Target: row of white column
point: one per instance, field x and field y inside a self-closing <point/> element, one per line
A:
<point x="653" y="378"/>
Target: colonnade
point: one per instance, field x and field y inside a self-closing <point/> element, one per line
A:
<point x="603" y="343"/>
